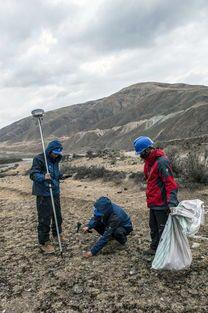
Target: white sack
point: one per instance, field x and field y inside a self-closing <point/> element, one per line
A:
<point x="173" y="252"/>
<point x="190" y="214"/>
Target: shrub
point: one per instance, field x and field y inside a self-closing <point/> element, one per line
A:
<point x="175" y="158"/>
<point x="113" y="161"/>
<point x="92" y="172"/>
<point x="115" y="176"/>
<point x="10" y="160"/>
<point x="108" y="153"/>
<point x="90" y="154"/>
<point x="4" y="171"/>
<point x="196" y="167"/>
<point x="137" y="177"/>
<point x="191" y="166"/>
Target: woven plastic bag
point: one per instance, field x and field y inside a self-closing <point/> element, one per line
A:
<point x="190" y="214"/>
<point x="173" y="252"/>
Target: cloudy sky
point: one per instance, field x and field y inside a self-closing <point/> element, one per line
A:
<point x="55" y="53"/>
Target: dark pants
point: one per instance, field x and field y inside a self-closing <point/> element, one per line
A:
<point x="157" y="221"/>
<point x="46" y="217"/>
<point x="120" y="233"/>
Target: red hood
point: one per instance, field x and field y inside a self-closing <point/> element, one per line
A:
<point x="156" y="153"/>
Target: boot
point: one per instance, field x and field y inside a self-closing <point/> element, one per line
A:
<point x="62" y="238"/>
<point x="47" y="248"/>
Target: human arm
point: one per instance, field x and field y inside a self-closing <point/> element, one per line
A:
<point x="111" y="227"/>
<point x="37" y="171"/>
<point x="171" y="187"/>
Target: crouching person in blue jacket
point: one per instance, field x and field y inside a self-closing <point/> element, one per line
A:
<point x="110" y="221"/>
<point x="41" y="190"/>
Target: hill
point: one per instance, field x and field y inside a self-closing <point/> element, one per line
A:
<point x="162" y="111"/>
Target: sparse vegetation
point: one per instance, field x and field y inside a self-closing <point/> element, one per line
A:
<point x="9" y="160"/>
<point x="74" y="284"/>
<point x="175" y="157"/>
<point x="197" y="167"/>
<point x="116" y="280"/>
<point x="90" y="154"/>
<point x="191" y="166"/>
<point x="105" y="153"/>
<point x="92" y="172"/>
<point x="4" y="171"/>
<point x="137" y="177"/>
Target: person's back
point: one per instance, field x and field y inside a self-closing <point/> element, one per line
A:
<point x="122" y="215"/>
<point x="110" y="221"/>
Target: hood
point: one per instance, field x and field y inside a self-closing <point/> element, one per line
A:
<point x="54" y="145"/>
<point x="156" y="153"/>
<point x="103" y="207"/>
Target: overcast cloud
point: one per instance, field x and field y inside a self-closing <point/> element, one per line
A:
<point x="55" y="53"/>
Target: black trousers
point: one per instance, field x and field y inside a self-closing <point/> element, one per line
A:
<point x="46" y="217"/>
<point x="157" y="221"/>
<point x="120" y="233"/>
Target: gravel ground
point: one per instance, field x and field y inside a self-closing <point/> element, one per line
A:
<point x="115" y="281"/>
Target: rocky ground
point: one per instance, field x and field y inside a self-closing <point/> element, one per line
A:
<point x="115" y="281"/>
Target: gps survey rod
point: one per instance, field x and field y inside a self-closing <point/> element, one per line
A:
<point x="38" y="114"/>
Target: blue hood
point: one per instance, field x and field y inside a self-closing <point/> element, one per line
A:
<point x="53" y="145"/>
<point x="103" y="207"/>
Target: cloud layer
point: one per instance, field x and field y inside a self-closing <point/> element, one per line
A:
<point x="55" y="53"/>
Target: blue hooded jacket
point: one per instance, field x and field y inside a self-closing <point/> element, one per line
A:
<point x="38" y="171"/>
<point x="112" y="216"/>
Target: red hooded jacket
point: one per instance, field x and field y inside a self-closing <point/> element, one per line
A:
<point x="161" y="186"/>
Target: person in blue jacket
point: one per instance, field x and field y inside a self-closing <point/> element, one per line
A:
<point x="110" y="221"/>
<point x="41" y="190"/>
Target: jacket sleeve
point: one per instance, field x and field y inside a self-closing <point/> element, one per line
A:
<point x="114" y="223"/>
<point x="61" y="175"/>
<point x="92" y="223"/>
<point x="36" y="172"/>
<point x="171" y="187"/>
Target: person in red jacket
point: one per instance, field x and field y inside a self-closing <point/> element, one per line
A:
<point x="161" y="191"/>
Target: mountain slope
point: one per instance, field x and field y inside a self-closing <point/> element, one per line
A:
<point x="162" y="111"/>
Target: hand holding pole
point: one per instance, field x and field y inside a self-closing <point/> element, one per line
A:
<point x="39" y="113"/>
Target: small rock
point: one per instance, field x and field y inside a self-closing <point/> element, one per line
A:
<point x="132" y="272"/>
<point x="195" y="245"/>
<point x="77" y="289"/>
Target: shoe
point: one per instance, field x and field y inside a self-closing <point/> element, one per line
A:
<point x="150" y="251"/>
<point x="47" y="248"/>
<point x="62" y="238"/>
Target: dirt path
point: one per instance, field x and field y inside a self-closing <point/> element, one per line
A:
<point x="114" y="281"/>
